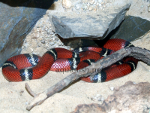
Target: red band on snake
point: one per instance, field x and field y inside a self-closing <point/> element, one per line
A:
<point x="29" y="66"/>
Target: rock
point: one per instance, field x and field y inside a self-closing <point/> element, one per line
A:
<point x="17" y="19"/>
<point x="131" y="28"/>
<point x="45" y="35"/>
<point x="91" y="108"/>
<point x="133" y="98"/>
<point x="91" y="24"/>
<point x="66" y="4"/>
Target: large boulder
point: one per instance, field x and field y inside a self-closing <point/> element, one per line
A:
<point x="16" y="20"/>
<point x="131" y="28"/>
<point x="87" y="23"/>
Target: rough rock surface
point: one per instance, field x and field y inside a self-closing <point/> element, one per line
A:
<point x="91" y="24"/>
<point x="132" y="28"/>
<point x="43" y="37"/>
<point x="129" y="98"/>
<point x="17" y="19"/>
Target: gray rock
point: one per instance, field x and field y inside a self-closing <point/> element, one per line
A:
<point x="16" y="20"/>
<point x="93" y="25"/>
<point x="131" y="28"/>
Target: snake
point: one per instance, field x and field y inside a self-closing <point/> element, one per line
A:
<point x="25" y="67"/>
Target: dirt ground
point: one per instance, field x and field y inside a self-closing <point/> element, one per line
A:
<point x="14" y="97"/>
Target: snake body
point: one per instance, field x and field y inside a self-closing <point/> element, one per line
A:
<point x="30" y="66"/>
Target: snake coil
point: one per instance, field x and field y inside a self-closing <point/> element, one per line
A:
<point x="30" y="66"/>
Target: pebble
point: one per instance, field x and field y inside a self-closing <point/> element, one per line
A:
<point x="111" y="88"/>
<point x="90" y="8"/>
<point x="91" y="1"/>
<point x="97" y="97"/>
<point x="99" y="1"/>
<point x="66" y="4"/>
<point x="78" y="6"/>
<point x="149" y="8"/>
<point x="83" y="5"/>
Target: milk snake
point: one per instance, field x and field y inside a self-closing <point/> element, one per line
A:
<point x="30" y="66"/>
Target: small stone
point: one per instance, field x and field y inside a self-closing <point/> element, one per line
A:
<point x="91" y="1"/>
<point x="26" y="103"/>
<point x="78" y="6"/>
<point x="100" y="1"/>
<point x="111" y="88"/>
<point x="21" y="92"/>
<point x="100" y="5"/>
<point x="43" y="41"/>
<point x="149" y="8"/>
<point x="90" y="8"/>
<point x="66" y="4"/>
<point x="98" y="97"/>
<point x="84" y="7"/>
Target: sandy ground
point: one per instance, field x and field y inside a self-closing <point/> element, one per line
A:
<point x="14" y="98"/>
